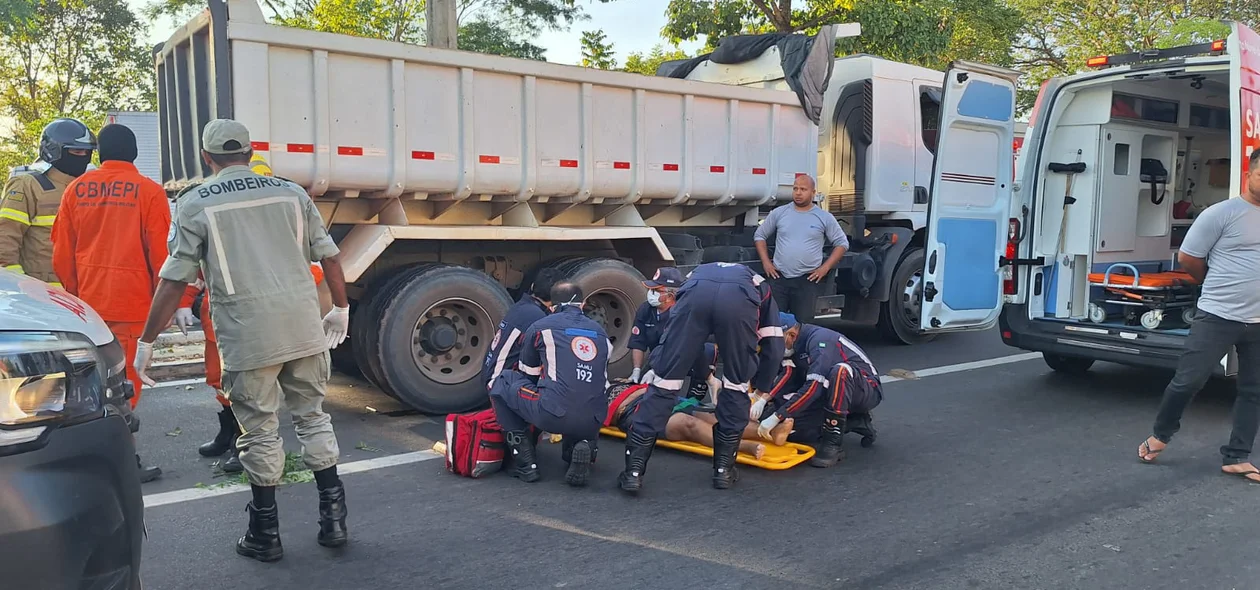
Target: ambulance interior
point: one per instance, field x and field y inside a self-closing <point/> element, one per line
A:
<point x="1157" y="152"/>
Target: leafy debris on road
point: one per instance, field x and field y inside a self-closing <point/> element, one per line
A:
<point x="175" y="432"/>
<point x="902" y="374"/>
<point x="362" y="446"/>
<point x="1112" y="547"/>
<point x="295" y="471"/>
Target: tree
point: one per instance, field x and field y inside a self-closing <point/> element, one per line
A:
<point x="391" y="20"/>
<point x="648" y="64"/>
<point x="488" y="37"/>
<point x="70" y="58"/>
<point x="597" y="52"/>
<point x="930" y="33"/>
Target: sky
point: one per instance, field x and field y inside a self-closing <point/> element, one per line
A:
<point x="630" y="25"/>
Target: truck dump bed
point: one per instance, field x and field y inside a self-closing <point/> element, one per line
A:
<point x="351" y="117"/>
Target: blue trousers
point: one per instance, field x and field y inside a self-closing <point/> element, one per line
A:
<point x="518" y="403"/>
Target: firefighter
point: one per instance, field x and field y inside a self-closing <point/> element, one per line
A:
<point x="828" y="386"/>
<point x="558" y="387"/>
<point x="732" y="303"/>
<point x="649" y="324"/>
<point x="505" y="349"/>
<point x="253" y="236"/>
<point x="109" y="239"/>
<point x="31" y="199"/>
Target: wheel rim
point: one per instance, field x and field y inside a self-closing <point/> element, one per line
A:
<point x="612" y="309"/>
<point x="912" y="300"/>
<point x="450" y="339"/>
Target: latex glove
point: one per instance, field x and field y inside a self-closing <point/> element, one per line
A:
<point x="763" y="429"/>
<point x="758" y="406"/>
<point x="144" y="356"/>
<point x="336" y="326"/>
<point x="635" y="374"/>
<point x="648" y="376"/>
<point x="184" y="319"/>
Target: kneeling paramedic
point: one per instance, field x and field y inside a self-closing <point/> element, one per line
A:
<point x="558" y="387"/>
<point x="534" y="305"/>
<point x="254" y="237"/>
<point x="828" y="386"/>
<point x="649" y="324"/>
<point x="732" y="303"/>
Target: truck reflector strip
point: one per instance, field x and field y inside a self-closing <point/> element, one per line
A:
<point x="717" y="169"/>
<point x="300" y="148"/>
<point x="348" y="150"/>
<point x="260" y="146"/>
<point x="670" y="167"/>
<point x="759" y="171"/>
<point x="422" y="155"/>
<point x="968" y="178"/>
<point x="621" y="165"/>
<point x="568" y="163"/>
<point x="484" y="159"/>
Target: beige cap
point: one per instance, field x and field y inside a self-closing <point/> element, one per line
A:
<point x="225" y="136"/>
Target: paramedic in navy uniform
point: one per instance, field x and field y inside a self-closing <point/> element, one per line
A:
<point x="732" y="303"/>
<point x="649" y="323"/>
<point x="505" y="349"/>
<point x="558" y="387"/>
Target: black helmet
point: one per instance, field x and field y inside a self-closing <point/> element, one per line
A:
<point x="64" y="134"/>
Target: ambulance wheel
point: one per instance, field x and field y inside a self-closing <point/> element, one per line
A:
<point x="433" y="326"/>
<point x="899" y="316"/>
<point x="614" y="291"/>
<point x="1152" y="319"/>
<point x="1068" y="365"/>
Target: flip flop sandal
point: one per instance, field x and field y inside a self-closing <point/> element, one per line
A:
<point x="1244" y="474"/>
<point x="1147" y="454"/>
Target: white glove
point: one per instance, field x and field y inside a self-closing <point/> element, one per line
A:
<point x="184" y="319"/>
<point x="634" y="375"/>
<point x="648" y="377"/>
<point x="144" y="356"/>
<point x="337" y="325"/>
<point x="758" y="406"/>
<point x="763" y="429"/>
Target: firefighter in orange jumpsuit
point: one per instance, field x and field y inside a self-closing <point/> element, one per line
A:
<point x="225" y="440"/>
<point x="109" y="240"/>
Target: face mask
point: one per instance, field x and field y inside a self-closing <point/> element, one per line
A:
<point x="788" y="352"/>
<point x="654" y="298"/>
<point x="72" y="164"/>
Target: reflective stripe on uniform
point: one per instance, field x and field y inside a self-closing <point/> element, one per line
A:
<point x="17" y="268"/>
<point x="18" y="216"/>
<point x="726" y="384"/>
<point x="670" y="384"/>
<point x="549" y="351"/>
<point x="819" y="378"/>
<point x="532" y="371"/>
<point x="770" y="332"/>
<point x="503" y="354"/>
<point x="44" y="220"/>
<point x="212" y="219"/>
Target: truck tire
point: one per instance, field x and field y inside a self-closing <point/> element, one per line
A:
<point x="899" y="316"/>
<point x="432" y="327"/>
<point x="614" y="291"/>
<point x="1068" y="365"/>
<point x="343" y="359"/>
<point x="366" y="317"/>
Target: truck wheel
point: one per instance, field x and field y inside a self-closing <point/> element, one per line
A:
<point x="1068" y="365"/>
<point x="343" y="360"/>
<point x="433" y="325"/>
<point x="899" y="316"/>
<point x="366" y="317"/>
<point x="614" y="291"/>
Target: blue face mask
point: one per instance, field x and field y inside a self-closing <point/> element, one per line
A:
<point x="654" y="298"/>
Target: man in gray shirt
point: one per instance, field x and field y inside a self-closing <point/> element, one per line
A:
<point x="1222" y="251"/>
<point x="800" y="230"/>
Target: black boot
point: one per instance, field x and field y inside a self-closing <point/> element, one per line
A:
<point x="262" y="540"/>
<point x="862" y="424"/>
<point x="228" y="431"/>
<point x="524" y="466"/>
<point x="725" y="447"/>
<point x="581" y="455"/>
<point x="147" y="474"/>
<point x="831" y="449"/>
<point x="332" y="516"/>
<point x="638" y="451"/>
<point x="233" y="463"/>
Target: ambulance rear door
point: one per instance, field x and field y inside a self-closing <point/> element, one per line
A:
<point x="969" y="206"/>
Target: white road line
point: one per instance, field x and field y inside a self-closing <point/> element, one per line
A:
<point x="190" y="494"/>
<point x="181" y="382"/>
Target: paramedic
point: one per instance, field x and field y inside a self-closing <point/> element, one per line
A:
<point x="649" y="323"/>
<point x="224" y="440"/>
<point x="800" y="230"/>
<point x="732" y="303"/>
<point x="534" y="305"/>
<point x="109" y="240"/>
<point x="254" y="237"/>
<point x="31" y="200"/>
<point x="558" y="387"/>
<point x="828" y="385"/>
<point x="1222" y="251"/>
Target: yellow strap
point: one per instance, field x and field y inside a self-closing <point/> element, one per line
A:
<point x="18" y="216"/>
<point x="17" y="268"/>
<point x="58" y="285"/>
<point x="44" y="220"/>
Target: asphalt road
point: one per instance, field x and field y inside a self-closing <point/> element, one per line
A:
<point x="1005" y="476"/>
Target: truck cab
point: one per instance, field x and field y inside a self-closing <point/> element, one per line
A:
<point x="1116" y="164"/>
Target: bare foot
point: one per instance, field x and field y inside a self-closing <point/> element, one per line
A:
<point x="1150" y="449"/>
<point x="759" y="451"/>
<point x="753" y="448"/>
<point x="779" y="434"/>
<point x="1244" y="470"/>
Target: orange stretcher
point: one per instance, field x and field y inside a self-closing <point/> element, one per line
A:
<point x="1156" y="292"/>
<point x="776" y="458"/>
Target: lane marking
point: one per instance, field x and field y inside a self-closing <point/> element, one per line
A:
<point x="191" y="494"/>
<point x="181" y="382"/>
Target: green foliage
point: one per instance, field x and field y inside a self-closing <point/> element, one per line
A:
<point x="648" y="64"/>
<point x="392" y="20"/>
<point x="597" y="52"/>
<point x="488" y="37"/>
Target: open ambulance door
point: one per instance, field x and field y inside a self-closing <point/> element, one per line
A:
<point x="1243" y="47"/>
<point x="969" y="206"/>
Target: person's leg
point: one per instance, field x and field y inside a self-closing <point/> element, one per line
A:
<point x="735" y="330"/>
<point x="781" y="290"/>
<point x="255" y="397"/>
<point x="304" y="383"/>
<point x="1210" y="338"/>
<point x="128" y="336"/>
<point x="864" y="400"/>
<point x="1236" y="455"/>
<point x="698" y="428"/>
<point x="804" y="298"/>
<point x="515" y="400"/>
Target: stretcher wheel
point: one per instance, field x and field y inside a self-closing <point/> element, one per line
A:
<point x="1152" y="319"/>
<point x="1097" y="314"/>
<point x="1187" y="315"/>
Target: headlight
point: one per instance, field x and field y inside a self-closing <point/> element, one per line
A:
<point x="47" y="379"/>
